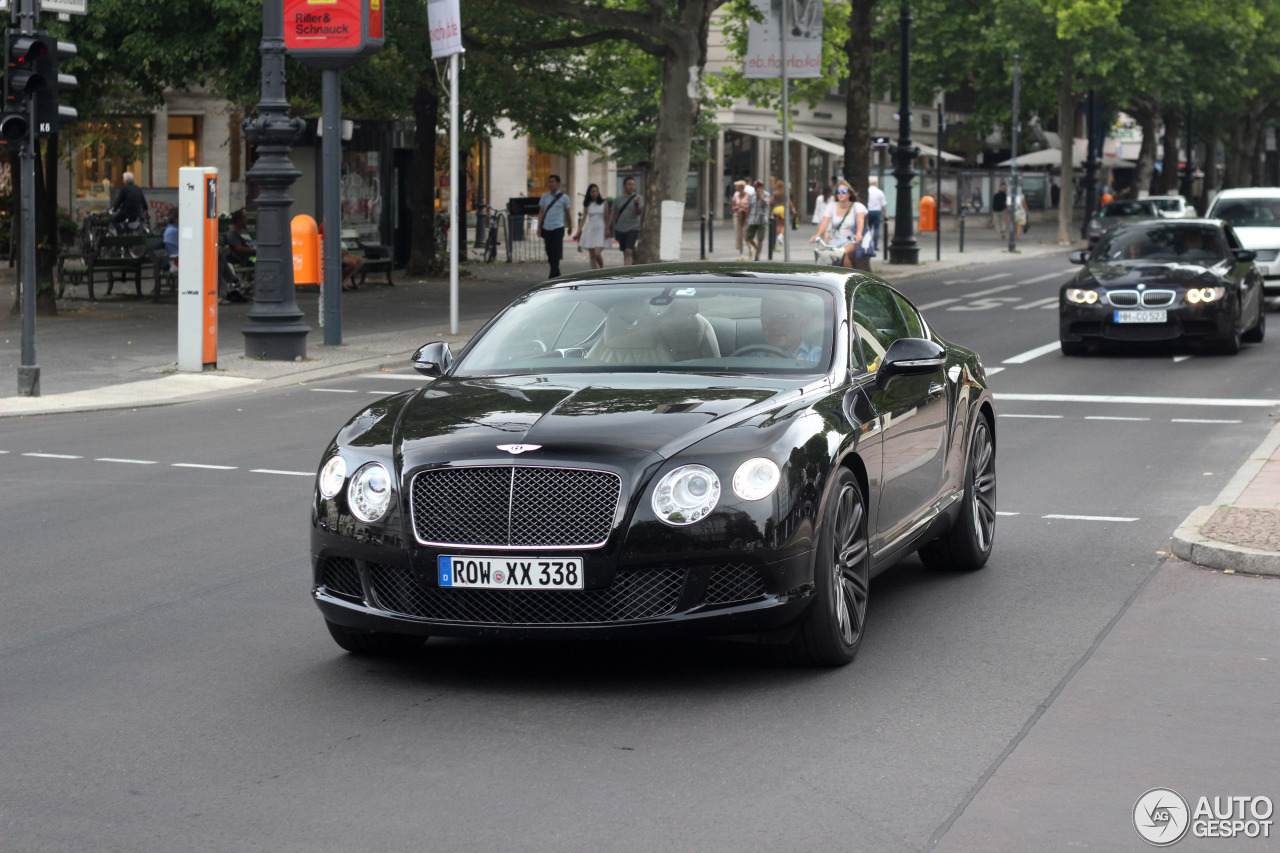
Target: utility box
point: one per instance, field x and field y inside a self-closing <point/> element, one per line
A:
<point x="197" y="268"/>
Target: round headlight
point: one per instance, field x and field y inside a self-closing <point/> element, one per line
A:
<point x="333" y="475"/>
<point x="756" y="479"/>
<point x="369" y="494"/>
<point x="686" y="494"/>
<point x="1077" y="295"/>
<point x="1193" y="296"/>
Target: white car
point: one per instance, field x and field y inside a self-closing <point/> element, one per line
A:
<point x="1254" y="213"/>
<point x="1172" y="207"/>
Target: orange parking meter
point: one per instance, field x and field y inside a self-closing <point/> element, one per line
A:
<point x="928" y="213"/>
<point x="306" y="251"/>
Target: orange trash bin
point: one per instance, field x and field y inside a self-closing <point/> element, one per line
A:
<point x="928" y="213"/>
<point x="306" y="251"/>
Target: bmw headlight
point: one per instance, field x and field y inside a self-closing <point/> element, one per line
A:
<point x="1086" y="297"/>
<point x="333" y="475"/>
<point x="369" y="494"/>
<point x="686" y="494"/>
<point x="756" y="479"/>
<point x="1204" y="294"/>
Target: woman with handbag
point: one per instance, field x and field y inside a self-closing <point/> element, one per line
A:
<point x="846" y="220"/>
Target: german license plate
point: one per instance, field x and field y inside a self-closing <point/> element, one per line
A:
<point x="502" y="573"/>
<point x="1141" y="316"/>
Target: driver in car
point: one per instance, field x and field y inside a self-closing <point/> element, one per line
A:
<point x="783" y="321"/>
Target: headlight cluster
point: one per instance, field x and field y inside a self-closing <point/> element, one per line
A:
<point x="689" y="493"/>
<point x="1087" y="297"/>
<point x="1204" y="294"/>
<point x="369" y="492"/>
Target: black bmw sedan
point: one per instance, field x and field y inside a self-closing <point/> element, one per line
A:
<point x="1187" y="279"/>
<point x="655" y="451"/>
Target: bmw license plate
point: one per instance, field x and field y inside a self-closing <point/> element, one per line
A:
<point x="502" y="573"/>
<point x="1141" y="316"/>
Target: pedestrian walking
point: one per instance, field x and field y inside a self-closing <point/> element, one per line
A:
<point x="845" y="222"/>
<point x="626" y="221"/>
<point x="824" y="198"/>
<point x="757" y="220"/>
<point x="553" y="214"/>
<point x="1000" y="210"/>
<point x="782" y="205"/>
<point x="876" y="202"/>
<point x="1020" y="214"/>
<point x="739" y="204"/>
<point x="593" y="224"/>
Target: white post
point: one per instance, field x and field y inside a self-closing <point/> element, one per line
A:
<point x="453" y="195"/>
<point x="197" y="267"/>
<point x="786" y="144"/>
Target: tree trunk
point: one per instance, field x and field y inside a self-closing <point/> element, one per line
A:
<point x="426" y="114"/>
<point x="1258" y="157"/>
<point x="677" y="115"/>
<point x="1145" y="116"/>
<point x="1170" y="176"/>
<point x="1210" y="172"/>
<point x="1238" y="148"/>
<point x="1066" y="125"/>
<point x="859" y="53"/>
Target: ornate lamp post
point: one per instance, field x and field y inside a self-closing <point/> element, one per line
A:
<point x="904" y="249"/>
<point x="274" y="329"/>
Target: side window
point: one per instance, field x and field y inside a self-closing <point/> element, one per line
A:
<point x="1232" y="242"/>
<point x="878" y="322"/>
<point x="915" y="326"/>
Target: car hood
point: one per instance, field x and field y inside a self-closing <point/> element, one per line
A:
<point x="1135" y="273"/>
<point x="1259" y="238"/>
<point x="614" y="416"/>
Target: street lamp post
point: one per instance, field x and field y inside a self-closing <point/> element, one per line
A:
<point x="904" y="249"/>
<point x="274" y="329"/>
<point x="1013" y="196"/>
<point x="1090" y="166"/>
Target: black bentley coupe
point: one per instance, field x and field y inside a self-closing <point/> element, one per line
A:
<point x="1185" y="279"/>
<point x="660" y="450"/>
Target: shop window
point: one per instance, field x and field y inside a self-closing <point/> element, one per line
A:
<point x="184" y="145"/>
<point x="101" y="165"/>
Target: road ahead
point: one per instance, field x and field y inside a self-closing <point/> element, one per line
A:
<point x="168" y="684"/>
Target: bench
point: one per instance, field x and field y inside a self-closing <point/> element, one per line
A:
<point x="166" y="273"/>
<point x="73" y="270"/>
<point x="119" y="258"/>
<point x="377" y="259"/>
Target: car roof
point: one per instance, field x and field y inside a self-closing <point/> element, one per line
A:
<point x="687" y="273"/>
<point x="1249" y="192"/>
<point x="1168" y="223"/>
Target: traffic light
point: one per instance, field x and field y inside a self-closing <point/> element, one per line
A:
<point x="22" y="54"/>
<point x="50" y="115"/>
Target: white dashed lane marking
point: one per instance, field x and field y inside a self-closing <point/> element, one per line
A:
<point x="198" y="465"/>
<point x="125" y="461"/>
<point x="1112" y="418"/>
<point x="1228" y="402"/>
<point x="1023" y="358"/>
<point x="1090" y="517"/>
<point x="52" y="456"/>
<point x="285" y="473"/>
<point x="938" y="304"/>
<point x="1051" y="302"/>
<point x="1202" y="421"/>
<point x="1048" y="276"/>
<point x="1044" y="417"/>
<point x="337" y="390"/>
<point x="991" y="290"/>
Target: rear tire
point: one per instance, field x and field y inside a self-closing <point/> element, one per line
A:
<point x="967" y="545"/>
<point x="372" y="643"/>
<point x="1258" y="330"/>
<point x="833" y="625"/>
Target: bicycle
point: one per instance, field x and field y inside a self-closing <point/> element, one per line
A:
<point x="443" y="246"/>
<point x="488" y="244"/>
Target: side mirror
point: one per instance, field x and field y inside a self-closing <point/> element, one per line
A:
<point x="433" y="359"/>
<point x="910" y="357"/>
<point x="1079" y="256"/>
<point x="1244" y="256"/>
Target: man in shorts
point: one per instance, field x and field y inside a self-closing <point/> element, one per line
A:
<point x="626" y="221"/>
<point x="757" y="221"/>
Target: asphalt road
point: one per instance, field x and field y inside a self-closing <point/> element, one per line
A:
<point x="168" y="685"/>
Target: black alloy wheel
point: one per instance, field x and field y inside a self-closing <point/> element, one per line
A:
<point x="832" y="627"/>
<point x="967" y="545"/>
<point x="371" y="643"/>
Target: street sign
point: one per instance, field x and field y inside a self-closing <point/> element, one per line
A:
<point x="65" y="7"/>
<point x="332" y="34"/>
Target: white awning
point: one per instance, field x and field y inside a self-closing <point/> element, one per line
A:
<point x="930" y="151"/>
<point x="1053" y="157"/>
<point x="819" y="143"/>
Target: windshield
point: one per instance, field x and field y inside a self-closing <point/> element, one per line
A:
<point x="1194" y="244"/>
<point x="741" y="329"/>
<point x="1168" y="205"/>
<point x="1248" y="212"/>
<point x="1126" y="208"/>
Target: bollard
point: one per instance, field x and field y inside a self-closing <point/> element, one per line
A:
<point x="702" y="236"/>
<point x="962" y="234"/>
<point x="773" y="229"/>
<point x="711" y="234"/>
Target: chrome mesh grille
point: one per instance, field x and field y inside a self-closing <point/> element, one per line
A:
<point x="1123" y="298"/>
<point x="734" y="583"/>
<point x="1158" y="298"/>
<point x="342" y="577"/>
<point x="639" y="595"/>
<point x="515" y="506"/>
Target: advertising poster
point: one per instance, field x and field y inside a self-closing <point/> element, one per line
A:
<point x="445" y="21"/>
<point x="804" y="40"/>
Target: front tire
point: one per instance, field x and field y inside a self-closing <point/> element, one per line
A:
<point x="967" y="545"/>
<point x="832" y="627"/>
<point x="371" y="643"/>
<point x="1258" y="330"/>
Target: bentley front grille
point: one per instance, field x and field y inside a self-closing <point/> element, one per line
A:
<point x="638" y="595"/>
<point x="515" y="506"/>
<point x="342" y="577"/>
<point x="732" y="583"/>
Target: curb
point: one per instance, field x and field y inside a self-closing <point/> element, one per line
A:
<point x="1189" y="544"/>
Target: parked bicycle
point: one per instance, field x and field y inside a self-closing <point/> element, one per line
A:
<point x="495" y="230"/>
